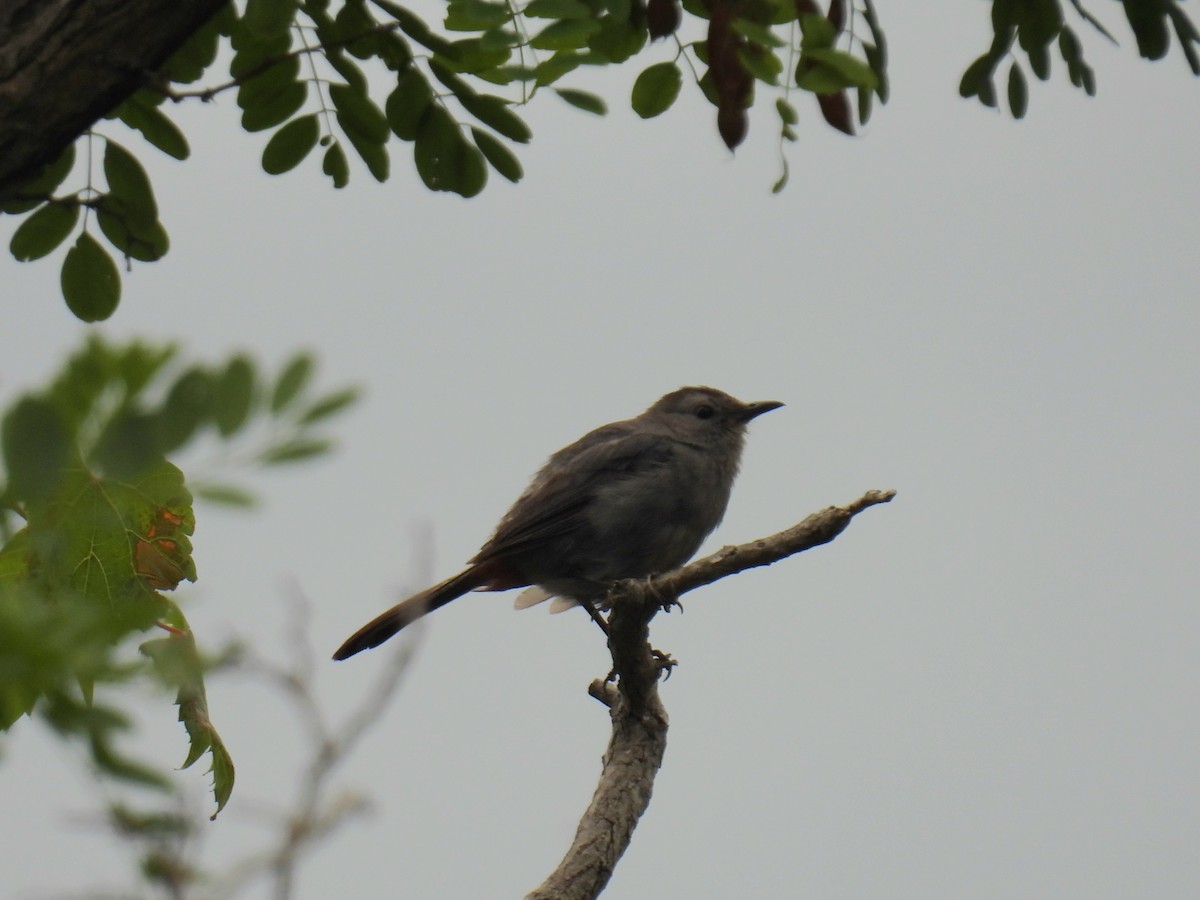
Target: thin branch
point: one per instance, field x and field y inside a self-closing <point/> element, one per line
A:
<point x="817" y="529"/>
<point x="314" y="817"/>
<point x="207" y="94"/>
<point x="639" y="735"/>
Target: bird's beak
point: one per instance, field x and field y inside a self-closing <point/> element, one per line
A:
<point x="756" y="409"/>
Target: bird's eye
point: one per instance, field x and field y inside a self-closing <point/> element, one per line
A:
<point x="705" y="412"/>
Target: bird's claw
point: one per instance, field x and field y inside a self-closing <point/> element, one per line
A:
<point x="663" y="601"/>
<point x="665" y="662"/>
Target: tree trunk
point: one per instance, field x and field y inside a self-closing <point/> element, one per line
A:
<point x="66" y="63"/>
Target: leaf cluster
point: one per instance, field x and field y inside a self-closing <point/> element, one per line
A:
<point x="96" y="525"/>
<point x="1036" y="26"/>
<point x="341" y="78"/>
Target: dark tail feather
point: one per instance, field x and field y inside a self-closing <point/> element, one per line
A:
<point x="408" y="611"/>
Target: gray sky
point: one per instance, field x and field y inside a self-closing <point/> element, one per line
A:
<point x="985" y="689"/>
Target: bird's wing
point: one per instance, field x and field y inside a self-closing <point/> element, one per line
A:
<point x="553" y="505"/>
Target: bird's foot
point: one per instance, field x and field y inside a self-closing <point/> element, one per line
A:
<point x="663" y="601"/>
<point x="665" y="662"/>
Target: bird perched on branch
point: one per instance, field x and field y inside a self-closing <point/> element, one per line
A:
<point x="629" y="500"/>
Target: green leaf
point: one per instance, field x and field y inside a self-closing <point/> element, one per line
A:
<point x="366" y="127"/>
<point x="373" y="154"/>
<point x="853" y="70"/>
<point x="329" y="405"/>
<point x="128" y="445"/>
<point x="336" y="166"/>
<point x="566" y="34"/>
<point x="787" y="112"/>
<point x="117" y="541"/>
<point x="357" y="112"/>
<point x="290" y="145"/>
<point x="1149" y="23"/>
<point x="39" y="188"/>
<point x="501" y="158"/>
<point x="617" y="40"/>
<point x="412" y="25"/>
<point x="1188" y="36"/>
<point x="254" y="53"/>
<point x="475" y="15"/>
<point x="977" y="74"/>
<point x="177" y="662"/>
<point x="233" y="395"/>
<point x="447" y="76"/>
<point x="987" y="94"/>
<point x="1018" y="92"/>
<point x="583" y="100"/>
<point x="557" y="9"/>
<point x="275" y="109"/>
<point x="55" y="172"/>
<point x="292" y="380"/>
<point x="444" y="159"/>
<point x="550" y="70"/>
<point x="188" y="404"/>
<point x="41" y="233"/>
<point x="878" y="63"/>
<point x="1089" y="79"/>
<point x="496" y="112"/>
<point x="91" y="284"/>
<point x="779" y="185"/>
<point x="37" y="448"/>
<point x="225" y="495"/>
<point x="477" y="54"/>
<point x="128" y="181"/>
<point x="355" y="24"/>
<point x="656" y="88"/>
<point x="495" y="39"/>
<point x="130" y="233"/>
<point x="817" y="32"/>
<point x="150" y="826"/>
<point x="199" y="51"/>
<point x="759" y="34"/>
<point x="99" y="724"/>
<point x="508" y="74"/>
<point x="1039" y="60"/>
<point x="348" y="69"/>
<point x="872" y="19"/>
<point x="269" y="17"/>
<point x="408" y="103"/>
<point x="1069" y="47"/>
<point x="136" y="364"/>
<point x="760" y="62"/>
<point x="819" y="78"/>
<point x="1038" y="23"/>
<point x="265" y="81"/>
<point x="295" y="451"/>
<point x="864" y="105"/>
<point x="394" y="51"/>
<point x="154" y="126"/>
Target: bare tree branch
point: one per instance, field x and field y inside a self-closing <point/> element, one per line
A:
<point x="639" y="735"/>
<point x="314" y="816"/>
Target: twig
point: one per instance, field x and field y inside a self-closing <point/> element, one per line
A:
<point x="313" y="816"/>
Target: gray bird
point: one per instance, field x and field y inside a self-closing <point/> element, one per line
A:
<point x="628" y="500"/>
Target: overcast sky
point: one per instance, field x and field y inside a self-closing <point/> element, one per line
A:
<point x="985" y="689"/>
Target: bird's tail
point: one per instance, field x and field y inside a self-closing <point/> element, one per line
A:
<point x="408" y="611"/>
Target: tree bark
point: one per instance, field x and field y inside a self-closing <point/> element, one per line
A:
<point x="64" y="64"/>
